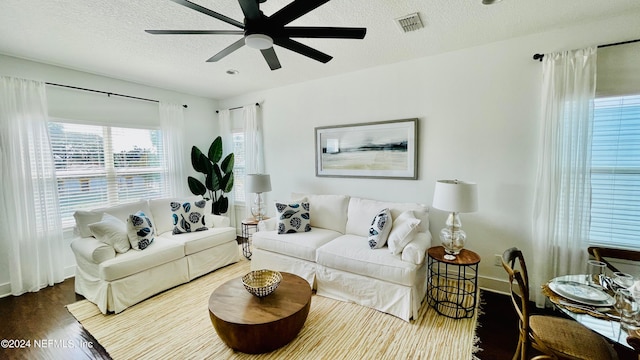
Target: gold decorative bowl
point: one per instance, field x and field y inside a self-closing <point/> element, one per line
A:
<point x="261" y="282"/>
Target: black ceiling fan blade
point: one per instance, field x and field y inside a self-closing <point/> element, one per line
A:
<point x="271" y="58"/>
<point x="195" y="32"/>
<point x="228" y="50"/>
<point x="302" y="49"/>
<point x="250" y="9"/>
<point x="294" y="10"/>
<point x="206" y="11"/>
<point x="325" y="32"/>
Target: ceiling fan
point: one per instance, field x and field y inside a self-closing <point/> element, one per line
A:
<point x="262" y="32"/>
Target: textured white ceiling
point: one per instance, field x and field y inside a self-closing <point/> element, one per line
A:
<point x="107" y="37"/>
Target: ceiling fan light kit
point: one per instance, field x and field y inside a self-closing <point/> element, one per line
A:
<point x="261" y="32"/>
<point x="258" y="41"/>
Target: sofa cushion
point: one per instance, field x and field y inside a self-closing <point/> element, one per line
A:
<point x="293" y="217"/>
<point x="379" y="230"/>
<point x="123" y="211"/>
<point x="188" y="216"/>
<point x="352" y="254"/>
<point x="300" y="245"/>
<point x="405" y="227"/>
<point x="161" y="251"/>
<point x="194" y="242"/>
<point x="111" y="231"/>
<point x="327" y="211"/>
<point x="140" y="230"/>
<point x="361" y="211"/>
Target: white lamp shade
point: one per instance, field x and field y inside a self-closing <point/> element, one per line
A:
<point x="455" y="196"/>
<point x="258" y="183"/>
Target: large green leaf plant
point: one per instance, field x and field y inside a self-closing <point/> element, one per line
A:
<point x="218" y="177"/>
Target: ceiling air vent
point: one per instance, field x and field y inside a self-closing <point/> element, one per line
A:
<point x="409" y="22"/>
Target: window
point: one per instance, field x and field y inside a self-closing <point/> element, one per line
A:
<point x="100" y="166"/>
<point x="615" y="172"/>
<point x="239" y="170"/>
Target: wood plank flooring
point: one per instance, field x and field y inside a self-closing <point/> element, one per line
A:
<point x="42" y="317"/>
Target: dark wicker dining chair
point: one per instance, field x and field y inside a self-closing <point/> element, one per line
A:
<point x="554" y="337"/>
<point x="605" y="254"/>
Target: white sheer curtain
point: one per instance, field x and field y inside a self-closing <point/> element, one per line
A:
<point x="561" y="212"/>
<point x="253" y="149"/>
<point x="224" y="117"/>
<point x="172" y="125"/>
<point x="30" y="224"/>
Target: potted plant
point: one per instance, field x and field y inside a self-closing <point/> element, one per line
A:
<point x="218" y="177"/>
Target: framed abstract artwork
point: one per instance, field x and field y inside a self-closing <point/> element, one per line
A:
<point x="384" y="149"/>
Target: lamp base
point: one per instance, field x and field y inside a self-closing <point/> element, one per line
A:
<point x="453" y="237"/>
<point x="258" y="210"/>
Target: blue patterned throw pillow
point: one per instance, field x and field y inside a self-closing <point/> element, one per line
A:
<point x="188" y="217"/>
<point x="293" y="217"/>
<point x="380" y="228"/>
<point x="140" y="230"/>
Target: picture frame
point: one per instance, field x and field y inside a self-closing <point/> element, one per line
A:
<point x="381" y="150"/>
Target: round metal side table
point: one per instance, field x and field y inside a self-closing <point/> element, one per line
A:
<point x="453" y="284"/>
<point x="249" y="226"/>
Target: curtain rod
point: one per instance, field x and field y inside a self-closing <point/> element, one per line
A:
<point x="106" y="92"/>
<point x="236" y="108"/>
<point x="540" y="56"/>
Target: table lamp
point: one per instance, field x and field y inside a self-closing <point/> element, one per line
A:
<point x="456" y="197"/>
<point x="258" y="183"/>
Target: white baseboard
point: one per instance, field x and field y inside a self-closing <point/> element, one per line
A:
<point x="492" y="284"/>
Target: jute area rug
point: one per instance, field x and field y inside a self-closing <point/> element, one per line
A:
<point x="175" y="325"/>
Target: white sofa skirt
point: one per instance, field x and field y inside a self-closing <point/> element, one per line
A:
<point x="203" y="262"/>
<point x="116" y="296"/>
<point x="263" y="259"/>
<point x="395" y="299"/>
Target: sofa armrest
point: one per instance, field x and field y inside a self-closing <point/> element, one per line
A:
<point x="416" y="250"/>
<point x="268" y="224"/>
<point x="220" y="221"/>
<point x="92" y="250"/>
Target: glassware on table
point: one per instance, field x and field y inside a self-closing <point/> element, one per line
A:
<point x="628" y="308"/>
<point x="595" y="269"/>
<point x="623" y="279"/>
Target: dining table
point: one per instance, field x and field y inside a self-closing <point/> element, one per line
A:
<point x="592" y="306"/>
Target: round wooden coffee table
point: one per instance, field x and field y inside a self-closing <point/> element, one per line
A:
<point x="256" y="325"/>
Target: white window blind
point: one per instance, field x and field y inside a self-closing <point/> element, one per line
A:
<point x="615" y="173"/>
<point x="100" y="166"/>
<point x="239" y="169"/>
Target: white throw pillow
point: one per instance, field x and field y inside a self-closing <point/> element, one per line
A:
<point x="83" y="219"/>
<point x="380" y="229"/>
<point x="188" y="216"/>
<point x="404" y="229"/>
<point x="140" y="230"/>
<point x="293" y="217"/>
<point x="111" y="231"/>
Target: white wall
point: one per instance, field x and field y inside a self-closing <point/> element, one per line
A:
<point x="200" y="118"/>
<point x="478" y="112"/>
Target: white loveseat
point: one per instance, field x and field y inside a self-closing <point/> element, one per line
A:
<point x="116" y="280"/>
<point x="336" y="259"/>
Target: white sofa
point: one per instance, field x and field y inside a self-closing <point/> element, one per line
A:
<point x="336" y="259"/>
<point x="114" y="280"/>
